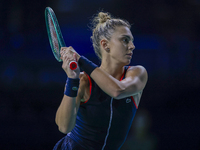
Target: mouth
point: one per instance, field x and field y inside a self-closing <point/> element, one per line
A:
<point x="129" y="54"/>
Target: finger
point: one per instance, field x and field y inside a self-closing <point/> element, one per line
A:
<point x="75" y="57"/>
<point x="68" y="59"/>
<point x="65" y="63"/>
<point x="62" y="49"/>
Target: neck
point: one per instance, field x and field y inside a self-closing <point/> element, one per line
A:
<point x="115" y="70"/>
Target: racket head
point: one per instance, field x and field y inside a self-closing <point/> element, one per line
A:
<point x="54" y="33"/>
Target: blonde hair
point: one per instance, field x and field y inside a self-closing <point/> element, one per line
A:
<point x="103" y="26"/>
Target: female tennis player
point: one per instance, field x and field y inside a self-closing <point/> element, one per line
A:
<point x="99" y="104"/>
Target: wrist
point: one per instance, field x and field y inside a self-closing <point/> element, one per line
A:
<point x="87" y="65"/>
<point x="72" y="86"/>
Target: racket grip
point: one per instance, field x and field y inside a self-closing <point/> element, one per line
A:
<point x="73" y="65"/>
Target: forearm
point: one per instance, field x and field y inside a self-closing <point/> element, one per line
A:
<point x="67" y="111"/>
<point x="66" y="114"/>
<point x="107" y="83"/>
<point x="133" y="83"/>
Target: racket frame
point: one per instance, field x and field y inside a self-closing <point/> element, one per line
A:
<point x="61" y="43"/>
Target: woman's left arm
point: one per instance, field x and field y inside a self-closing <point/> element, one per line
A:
<point x="134" y="82"/>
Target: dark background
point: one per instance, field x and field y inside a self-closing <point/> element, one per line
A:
<point x="167" y="44"/>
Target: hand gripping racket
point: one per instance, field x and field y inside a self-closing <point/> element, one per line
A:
<point x="55" y="36"/>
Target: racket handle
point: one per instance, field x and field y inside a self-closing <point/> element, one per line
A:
<point x="73" y="65"/>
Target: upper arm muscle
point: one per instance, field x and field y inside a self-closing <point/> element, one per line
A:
<point x="134" y="82"/>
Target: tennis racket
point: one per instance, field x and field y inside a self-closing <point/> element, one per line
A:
<point x="55" y="36"/>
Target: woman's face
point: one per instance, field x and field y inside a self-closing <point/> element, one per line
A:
<point x="121" y="45"/>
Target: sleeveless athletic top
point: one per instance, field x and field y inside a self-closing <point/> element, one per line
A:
<point x="103" y="122"/>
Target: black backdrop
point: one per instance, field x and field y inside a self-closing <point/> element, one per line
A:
<point x="167" y="41"/>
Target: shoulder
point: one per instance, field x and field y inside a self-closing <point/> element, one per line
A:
<point x="137" y="71"/>
<point x="83" y="76"/>
<point x="136" y="68"/>
<point x="84" y="79"/>
<point x="83" y="92"/>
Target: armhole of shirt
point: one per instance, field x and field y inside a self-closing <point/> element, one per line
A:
<point x="125" y="70"/>
<point x="134" y="102"/>
<point x="90" y="86"/>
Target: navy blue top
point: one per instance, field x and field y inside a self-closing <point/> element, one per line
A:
<point x="103" y="122"/>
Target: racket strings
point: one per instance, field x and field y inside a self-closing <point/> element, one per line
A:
<point x="54" y="37"/>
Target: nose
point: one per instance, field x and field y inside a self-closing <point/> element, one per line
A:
<point x="131" y="46"/>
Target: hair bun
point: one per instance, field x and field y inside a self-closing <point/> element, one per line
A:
<point x="103" y="17"/>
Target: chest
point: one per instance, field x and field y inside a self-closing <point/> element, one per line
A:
<point x="100" y="106"/>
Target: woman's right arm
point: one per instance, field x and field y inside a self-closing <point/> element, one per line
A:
<point x="67" y="112"/>
<point x="68" y="109"/>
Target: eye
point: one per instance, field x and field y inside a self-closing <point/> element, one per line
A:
<point x="126" y="40"/>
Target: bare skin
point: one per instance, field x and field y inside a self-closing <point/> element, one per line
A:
<point x="116" y="53"/>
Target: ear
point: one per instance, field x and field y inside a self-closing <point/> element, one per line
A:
<point x="105" y="44"/>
